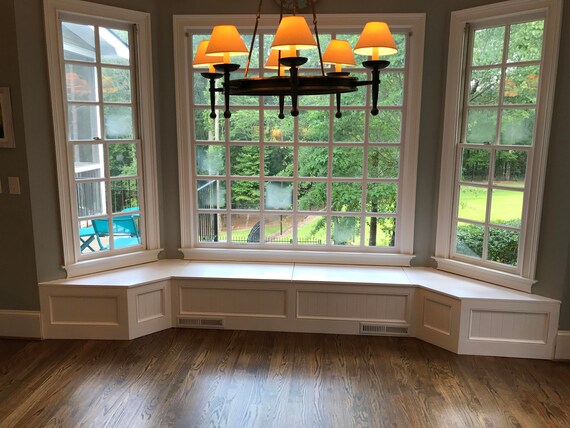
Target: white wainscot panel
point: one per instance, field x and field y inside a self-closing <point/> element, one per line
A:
<point x="150" y="305"/>
<point x="150" y="308"/>
<point x="510" y="326"/>
<point x="86" y="310"/>
<point x="391" y="308"/>
<point x="233" y="300"/>
<point x="437" y="316"/>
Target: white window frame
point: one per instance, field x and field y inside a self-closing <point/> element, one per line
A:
<point x="414" y="24"/>
<point x="74" y="263"/>
<point x="522" y="278"/>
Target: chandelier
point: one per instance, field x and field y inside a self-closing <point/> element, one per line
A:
<point x="293" y="35"/>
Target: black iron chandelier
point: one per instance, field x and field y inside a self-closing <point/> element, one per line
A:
<point x="292" y="36"/>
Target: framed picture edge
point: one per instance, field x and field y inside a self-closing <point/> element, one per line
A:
<point x="6" y="140"/>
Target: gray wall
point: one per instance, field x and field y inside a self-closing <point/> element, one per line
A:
<point x="26" y="258"/>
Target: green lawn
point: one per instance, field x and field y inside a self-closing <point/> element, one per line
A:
<point x="506" y="205"/>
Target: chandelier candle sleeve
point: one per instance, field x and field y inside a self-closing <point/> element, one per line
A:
<point x="293" y="34"/>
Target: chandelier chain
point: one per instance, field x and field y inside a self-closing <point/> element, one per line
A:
<point x="253" y="39"/>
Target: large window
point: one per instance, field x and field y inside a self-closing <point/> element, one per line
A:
<point x="100" y="144"/>
<point x="500" y="135"/>
<point x="313" y="182"/>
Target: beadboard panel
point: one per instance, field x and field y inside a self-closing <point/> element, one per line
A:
<point x="218" y="298"/>
<point x="150" y="308"/>
<point x="378" y="307"/>
<point x="437" y="319"/>
<point x="514" y="326"/>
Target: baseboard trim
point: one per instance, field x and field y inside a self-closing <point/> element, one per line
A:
<point x="24" y="324"/>
<point x="562" y="345"/>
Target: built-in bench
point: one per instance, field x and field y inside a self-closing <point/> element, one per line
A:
<point x="459" y="314"/>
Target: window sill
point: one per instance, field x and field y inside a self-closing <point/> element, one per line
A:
<point x="504" y="279"/>
<point x="112" y="262"/>
<point x="287" y="256"/>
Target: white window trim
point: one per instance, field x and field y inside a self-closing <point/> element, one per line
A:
<point x="141" y="20"/>
<point x="414" y="23"/>
<point x="552" y="10"/>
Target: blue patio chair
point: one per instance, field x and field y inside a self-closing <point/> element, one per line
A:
<point x="125" y="231"/>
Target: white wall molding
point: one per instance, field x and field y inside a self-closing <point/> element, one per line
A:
<point x="24" y="324"/>
<point x="562" y="345"/>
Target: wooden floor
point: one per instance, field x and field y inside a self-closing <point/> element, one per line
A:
<point x="200" y="378"/>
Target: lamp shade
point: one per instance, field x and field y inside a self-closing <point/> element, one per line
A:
<point x="376" y="39"/>
<point x="271" y="62"/>
<point x="293" y="33"/>
<point x="226" y="40"/>
<point x="203" y="60"/>
<point x="339" y="52"/>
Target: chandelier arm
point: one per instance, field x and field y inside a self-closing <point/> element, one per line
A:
<point x="317" y="36"/>
<point x="252" y="39"/>
<point x="338" y="114"/>
<point x="293" y="71"/>
<point x="212" y="78"/>
<point x="281" y="106"/>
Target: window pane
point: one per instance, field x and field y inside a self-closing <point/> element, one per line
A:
<point x="124" y="195"/>
<point x="383" y="162"/>
<point x="350" y="127"/>
<point x="246" y="228"/>
<point x="503" y="246"/>
<point x="380" y="231"/>
<point x="484" y="87"/>
<point x="525" y="41"/>
<point x="398" y="60"/>
<point x="242" y="59"/>
<point x="244" y="125"/>
<point x="126" y="231"/>
<point x="245" y="195"/>
<point x="78" y="42"/>
<point x="481" y="126"/>
<point x="488" y="46"/>
<point x="391" y="89"/>
<point x="278" y="195"/>
<point x="212" y="228"/>
<point x="517" y="127"/>
<point x="82" y="122"/>
<point x="244" y="161"/>
<point x="208" y="129"/>
<point x="312" y="196"/>
<point x="475" y="165"/>
<point x="279" y="229"/>
<point x="312" y="230"/>
<point x="385" y="127"/>
<point x="118" y="123"/>
<point x="469" y="240"/>
<point x="472" y="203"/>
<point x="346" y="197"/>
<point x="122" y="160"/>
<point x="278" y="161"/>
<point x="89" y="241"/>
<point x="313" y="54"/>
<point x="356" y="98"/>
<point x="506" y="207"/>
<point x="347" y="161"/>
<point x="114" y="45"/>
<point x="313" y="161"/>
<point x="345" y="230"/>
<point x="81" y="82"/>
<point x="510" y="168"/>
<point x="211" y="194"/>
<point x="116" y="85"/>
<point x="91" y="199"/>
<point x="88" y="161"/>
<point x="314" y="125"/>
<point x="381" y="197"/>
<point x="210" y="160"/>
<point x="521" y="85"/>
<point x="277" y="130"/>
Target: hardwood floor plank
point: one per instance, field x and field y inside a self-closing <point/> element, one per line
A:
<point x="199" y="378"/>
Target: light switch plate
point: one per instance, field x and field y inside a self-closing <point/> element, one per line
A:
<point x="14" y="185"/>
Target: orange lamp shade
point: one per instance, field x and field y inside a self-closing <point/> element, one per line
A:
<point x="226" y="40"/>
<point x="203" y="60"/>
<point x="339" y="52"/>
<point x="271" y="62"/>
<point x="293" y="33"/>
<point x="376" y="39"/>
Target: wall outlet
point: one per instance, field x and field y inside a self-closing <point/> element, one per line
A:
<point x="14" y="185"/>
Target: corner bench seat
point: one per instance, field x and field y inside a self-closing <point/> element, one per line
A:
<point x="462" y="315"/>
